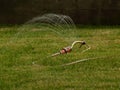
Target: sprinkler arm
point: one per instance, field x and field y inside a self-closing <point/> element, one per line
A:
<point x="81" y="44"/>
<point x="87" y="48"/>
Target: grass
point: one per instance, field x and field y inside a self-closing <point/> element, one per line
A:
<point x="20" y="47"/>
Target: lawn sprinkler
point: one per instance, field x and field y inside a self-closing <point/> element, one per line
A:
<point x="69" y="48"/>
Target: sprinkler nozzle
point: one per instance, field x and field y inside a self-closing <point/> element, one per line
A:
<point x="83" y="43"/>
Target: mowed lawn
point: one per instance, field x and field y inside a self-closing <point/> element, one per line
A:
<point x="24" y="64"/>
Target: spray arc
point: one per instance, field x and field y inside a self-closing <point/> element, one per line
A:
<point x="69" y="48"/>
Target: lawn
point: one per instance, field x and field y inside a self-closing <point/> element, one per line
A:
<point x="21" y="46"/>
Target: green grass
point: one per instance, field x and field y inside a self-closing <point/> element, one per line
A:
<point x="19" y="48"/>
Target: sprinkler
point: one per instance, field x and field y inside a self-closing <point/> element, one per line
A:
<point x="68" y="49"/>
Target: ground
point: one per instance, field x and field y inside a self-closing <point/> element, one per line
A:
<point x="20" y="48"/>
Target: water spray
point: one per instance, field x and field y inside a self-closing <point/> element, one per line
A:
<point x="68" y="49"/>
